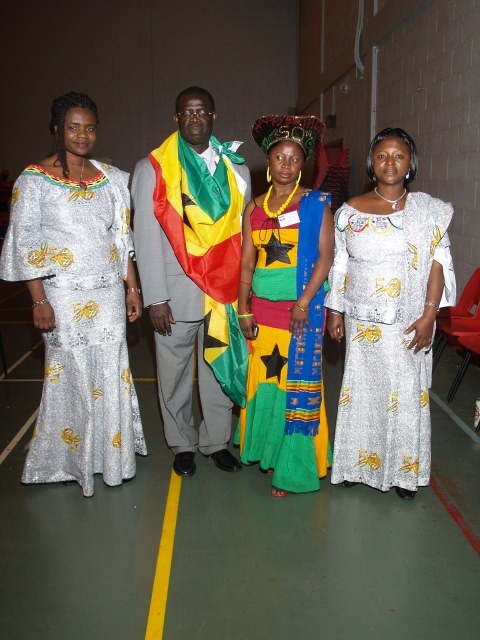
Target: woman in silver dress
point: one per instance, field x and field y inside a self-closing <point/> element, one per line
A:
<point x="69" y="239"/>
<point x="392" y="265"/>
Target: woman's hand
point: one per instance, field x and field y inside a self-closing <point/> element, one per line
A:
<point x="336" y="326"/>
<point x="134" y="306"/>
<point x="162" y="318"/>
<point x="44" y="317"/>
<point x="423" y="328"/>
<point x="249" y="327"/>
<point x="299" y="319"/>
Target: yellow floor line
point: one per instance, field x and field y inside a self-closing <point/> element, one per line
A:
<point x="158" y="603"/>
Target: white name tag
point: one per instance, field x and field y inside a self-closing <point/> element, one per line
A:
<point x="287" y="219"/>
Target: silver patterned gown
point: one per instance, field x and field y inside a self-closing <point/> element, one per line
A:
<point x="379" y="279"/>
<point x="78" y="241"/>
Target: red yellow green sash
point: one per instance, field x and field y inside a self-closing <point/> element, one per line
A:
<point x="200" y="215"/>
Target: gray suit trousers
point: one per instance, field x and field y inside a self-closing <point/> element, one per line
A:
<point x="176" y="355"/>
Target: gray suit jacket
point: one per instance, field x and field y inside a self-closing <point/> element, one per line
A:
<point x="162" y="277"/>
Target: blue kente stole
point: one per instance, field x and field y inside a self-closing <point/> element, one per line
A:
<point x="304" y="375"/>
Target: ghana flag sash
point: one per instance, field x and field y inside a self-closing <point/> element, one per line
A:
<point x="304" y="375"/>
<point x="200" y="215"/>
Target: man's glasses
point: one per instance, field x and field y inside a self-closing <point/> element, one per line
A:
<point x="202" y="114"/>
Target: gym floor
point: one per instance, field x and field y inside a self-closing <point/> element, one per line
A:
<point x="214" y="556"/>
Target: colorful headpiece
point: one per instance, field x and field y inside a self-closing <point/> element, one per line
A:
<point x="306" y="131"/>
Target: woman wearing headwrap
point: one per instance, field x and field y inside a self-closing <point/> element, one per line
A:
<point x="286" y="255"/>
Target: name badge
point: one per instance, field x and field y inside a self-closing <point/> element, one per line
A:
<point x="287" y="219"/>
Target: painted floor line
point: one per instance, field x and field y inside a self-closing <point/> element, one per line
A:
<point x="158" y="603"/>
<point x="456" y="516"/>
<point x="13" y="443"/>
<point x="20" y="360"/>
<point x="458" y="421"/>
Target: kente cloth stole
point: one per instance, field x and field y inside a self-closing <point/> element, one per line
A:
<point x="304" y="374"/>
<point x="200" y="215"/>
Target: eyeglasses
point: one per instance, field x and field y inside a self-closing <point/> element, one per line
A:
<point x="202" y="114"/>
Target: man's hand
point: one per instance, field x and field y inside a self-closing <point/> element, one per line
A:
<point x="162" y="319"/>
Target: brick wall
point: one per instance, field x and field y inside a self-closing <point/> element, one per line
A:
<point x="429" y="84"/>
<point x="427" y="81"/>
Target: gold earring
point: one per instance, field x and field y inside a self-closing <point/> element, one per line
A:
<point x="299" y="176"/>
<point x="269" y="177"/>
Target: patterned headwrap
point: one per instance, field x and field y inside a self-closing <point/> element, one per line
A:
<point x="306" y="131"/>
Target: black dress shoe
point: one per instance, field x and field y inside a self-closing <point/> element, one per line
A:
<point x="405" y="494"/>
<point x="184" y="464"/>
<point x="226" y="461"/>
<point x="348" y="483"/>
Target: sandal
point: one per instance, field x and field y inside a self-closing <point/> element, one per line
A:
<point x="279" y="493"/>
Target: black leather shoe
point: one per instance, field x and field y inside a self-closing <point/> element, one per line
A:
<point x="348" y="483"/>
<point x="226" y="461"/>
<point x="405" y="494"/>
<point x="184" y="464"/>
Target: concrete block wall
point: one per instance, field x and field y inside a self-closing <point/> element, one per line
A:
<point x="429" y="84"/>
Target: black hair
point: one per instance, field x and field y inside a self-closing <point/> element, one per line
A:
<point x="402" y="135"/>
<point x="190" y="91"/>
<point x="59" y="108"/>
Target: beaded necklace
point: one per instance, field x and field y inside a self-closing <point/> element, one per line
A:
<point x="282" y="207"/>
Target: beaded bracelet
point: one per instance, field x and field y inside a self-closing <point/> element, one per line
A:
<point x="302" y="308"/>
<point x="133" y="290"/>
<point x="432" y="304"/>
<point x="39" y="302"/>
<point x="245" y="315"/>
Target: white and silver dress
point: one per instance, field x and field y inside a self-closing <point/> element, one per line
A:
<point x="379" y="280"/>
<point x="78" y="240"/>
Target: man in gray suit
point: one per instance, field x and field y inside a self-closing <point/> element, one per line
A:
<point x="172" y="292"/>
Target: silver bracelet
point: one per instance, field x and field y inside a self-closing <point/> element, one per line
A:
<point x="335" y="313"/>
<point x="432" y="304"/>
<point x="39" y="302"/>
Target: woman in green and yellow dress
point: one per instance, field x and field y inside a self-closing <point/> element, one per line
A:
<point x="287" y="251"/>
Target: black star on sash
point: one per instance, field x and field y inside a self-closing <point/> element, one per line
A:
<point x="276" y="250"/>
<point x="274" y="363"/>
<point x="186" y="201"/>
<point x="209" y="341"/>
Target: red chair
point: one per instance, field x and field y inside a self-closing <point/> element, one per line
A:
<point x="461" y="319"/>
<point x="470" y="298"/>
<point x="455" y="328"/>
<point x="472" y="345"/>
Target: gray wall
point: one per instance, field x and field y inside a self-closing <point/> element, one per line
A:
<point x="427" y="82"/>
<point x="132" y="58"/>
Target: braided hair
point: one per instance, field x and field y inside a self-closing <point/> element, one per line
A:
<point x="59" y="108"/>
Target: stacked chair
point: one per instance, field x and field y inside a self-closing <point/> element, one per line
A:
<point x="460" y="323"/>
<point x="461" y="320"/>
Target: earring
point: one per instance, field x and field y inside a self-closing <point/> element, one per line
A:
<point x="269" y="177"/>
<point x="299" y="176"/>
<point x="408" y="175"/>
<point x="374" y="178"/>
